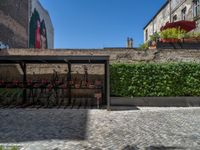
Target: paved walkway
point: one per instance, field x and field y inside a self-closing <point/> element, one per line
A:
<point x="59" y="129"/>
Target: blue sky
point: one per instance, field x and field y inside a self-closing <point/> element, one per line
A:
<point x="99" y="23"/>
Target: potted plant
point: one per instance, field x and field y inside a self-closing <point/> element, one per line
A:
<point x="143" y="46"/>
<point x="155" y="37"/>
<point x="164" y="36"/>
<point x="197" y="36"/>
<point x="172" y="35"/>
<point x="181" y="36"/>
<point x="153" y="40"/>
<point x="192" y="37"/>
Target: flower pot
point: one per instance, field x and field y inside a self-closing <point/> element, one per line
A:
<point x="174" y="40"/>
<point x="170" y="40"/>
<point x="191" y="40"/>
<point x="166" y="40"/>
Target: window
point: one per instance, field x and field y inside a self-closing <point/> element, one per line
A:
<point x="146" y="35"/>
<point x="183" y="13"/>
<point x="153" y="28"/>
<point x="174" y="18"/>
<point x="196" y="8"/>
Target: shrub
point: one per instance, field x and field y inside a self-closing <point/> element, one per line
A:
<point x="172" y="33"/>
<point x="174" y="79"/>
<point x="192" y="35"/>
<point x="144" y="46"/>
<point x="155" y="37"/>
<point x="12" y="148"/>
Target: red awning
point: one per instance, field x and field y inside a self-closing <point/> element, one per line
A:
<point x="185" y="25"/>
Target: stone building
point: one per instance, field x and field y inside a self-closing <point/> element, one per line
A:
<point x="25" y="24"/>
<point x="172" y="11"/>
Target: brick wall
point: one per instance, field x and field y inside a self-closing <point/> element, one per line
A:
<point x="14" y="23"/>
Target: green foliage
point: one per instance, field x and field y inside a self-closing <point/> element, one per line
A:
<point x="192" y="35"/>
<point x="12" y="148"/>
<point x="197" y="34"/>
<point x="155" y="37"/>
<point x="164" y="34"/>
<point x="174" y="79"/>
<point x="13" y="93"/>
<point x="172" y="33"/>
<point x="143" y="46"/>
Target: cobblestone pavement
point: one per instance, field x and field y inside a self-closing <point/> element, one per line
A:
<point x="59" y="129"/>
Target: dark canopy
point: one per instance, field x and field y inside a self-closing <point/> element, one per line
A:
<point x="184" y="25"/>
<point x="12" y="59"/>
<point x="75" y="59"/>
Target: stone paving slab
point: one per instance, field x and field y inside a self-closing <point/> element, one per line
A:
<point x="142" y="128"/>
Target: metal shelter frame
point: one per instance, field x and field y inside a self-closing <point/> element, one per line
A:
<point x="69" y="60"/>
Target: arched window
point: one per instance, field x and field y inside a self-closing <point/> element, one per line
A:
<point x="174" y="18"/>
<point x="183" y="13"/>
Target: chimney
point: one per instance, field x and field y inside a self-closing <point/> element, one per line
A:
<point x="129" y="42"/>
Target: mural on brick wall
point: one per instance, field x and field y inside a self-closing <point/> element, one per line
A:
<point x="37" y="32"/>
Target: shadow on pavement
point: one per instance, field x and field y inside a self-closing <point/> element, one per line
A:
<point x="24" y="125"/>
<point x="161" y="147"/>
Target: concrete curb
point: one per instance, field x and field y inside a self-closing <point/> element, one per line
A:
<point x="156" y="101"/>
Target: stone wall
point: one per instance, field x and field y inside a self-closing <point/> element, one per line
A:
<point x="13" y="25"/>
<point x="117" y="55"/>
<point x="124" y="55"/>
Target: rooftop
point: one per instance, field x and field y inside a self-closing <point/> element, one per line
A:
<point x="164" y="5"/>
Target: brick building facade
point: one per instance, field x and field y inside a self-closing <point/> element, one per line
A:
<point x="15" y="20"/>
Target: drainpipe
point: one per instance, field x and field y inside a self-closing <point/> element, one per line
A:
<point x="170" y="11"/>
<point x="29" y="16"/>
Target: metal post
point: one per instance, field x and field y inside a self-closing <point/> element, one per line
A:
<point x="23" y="66"/>
<point x="107" y="83"/>
<point x="69" y="77"/>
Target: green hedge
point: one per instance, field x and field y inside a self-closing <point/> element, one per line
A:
<point x="174" y="79"/>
